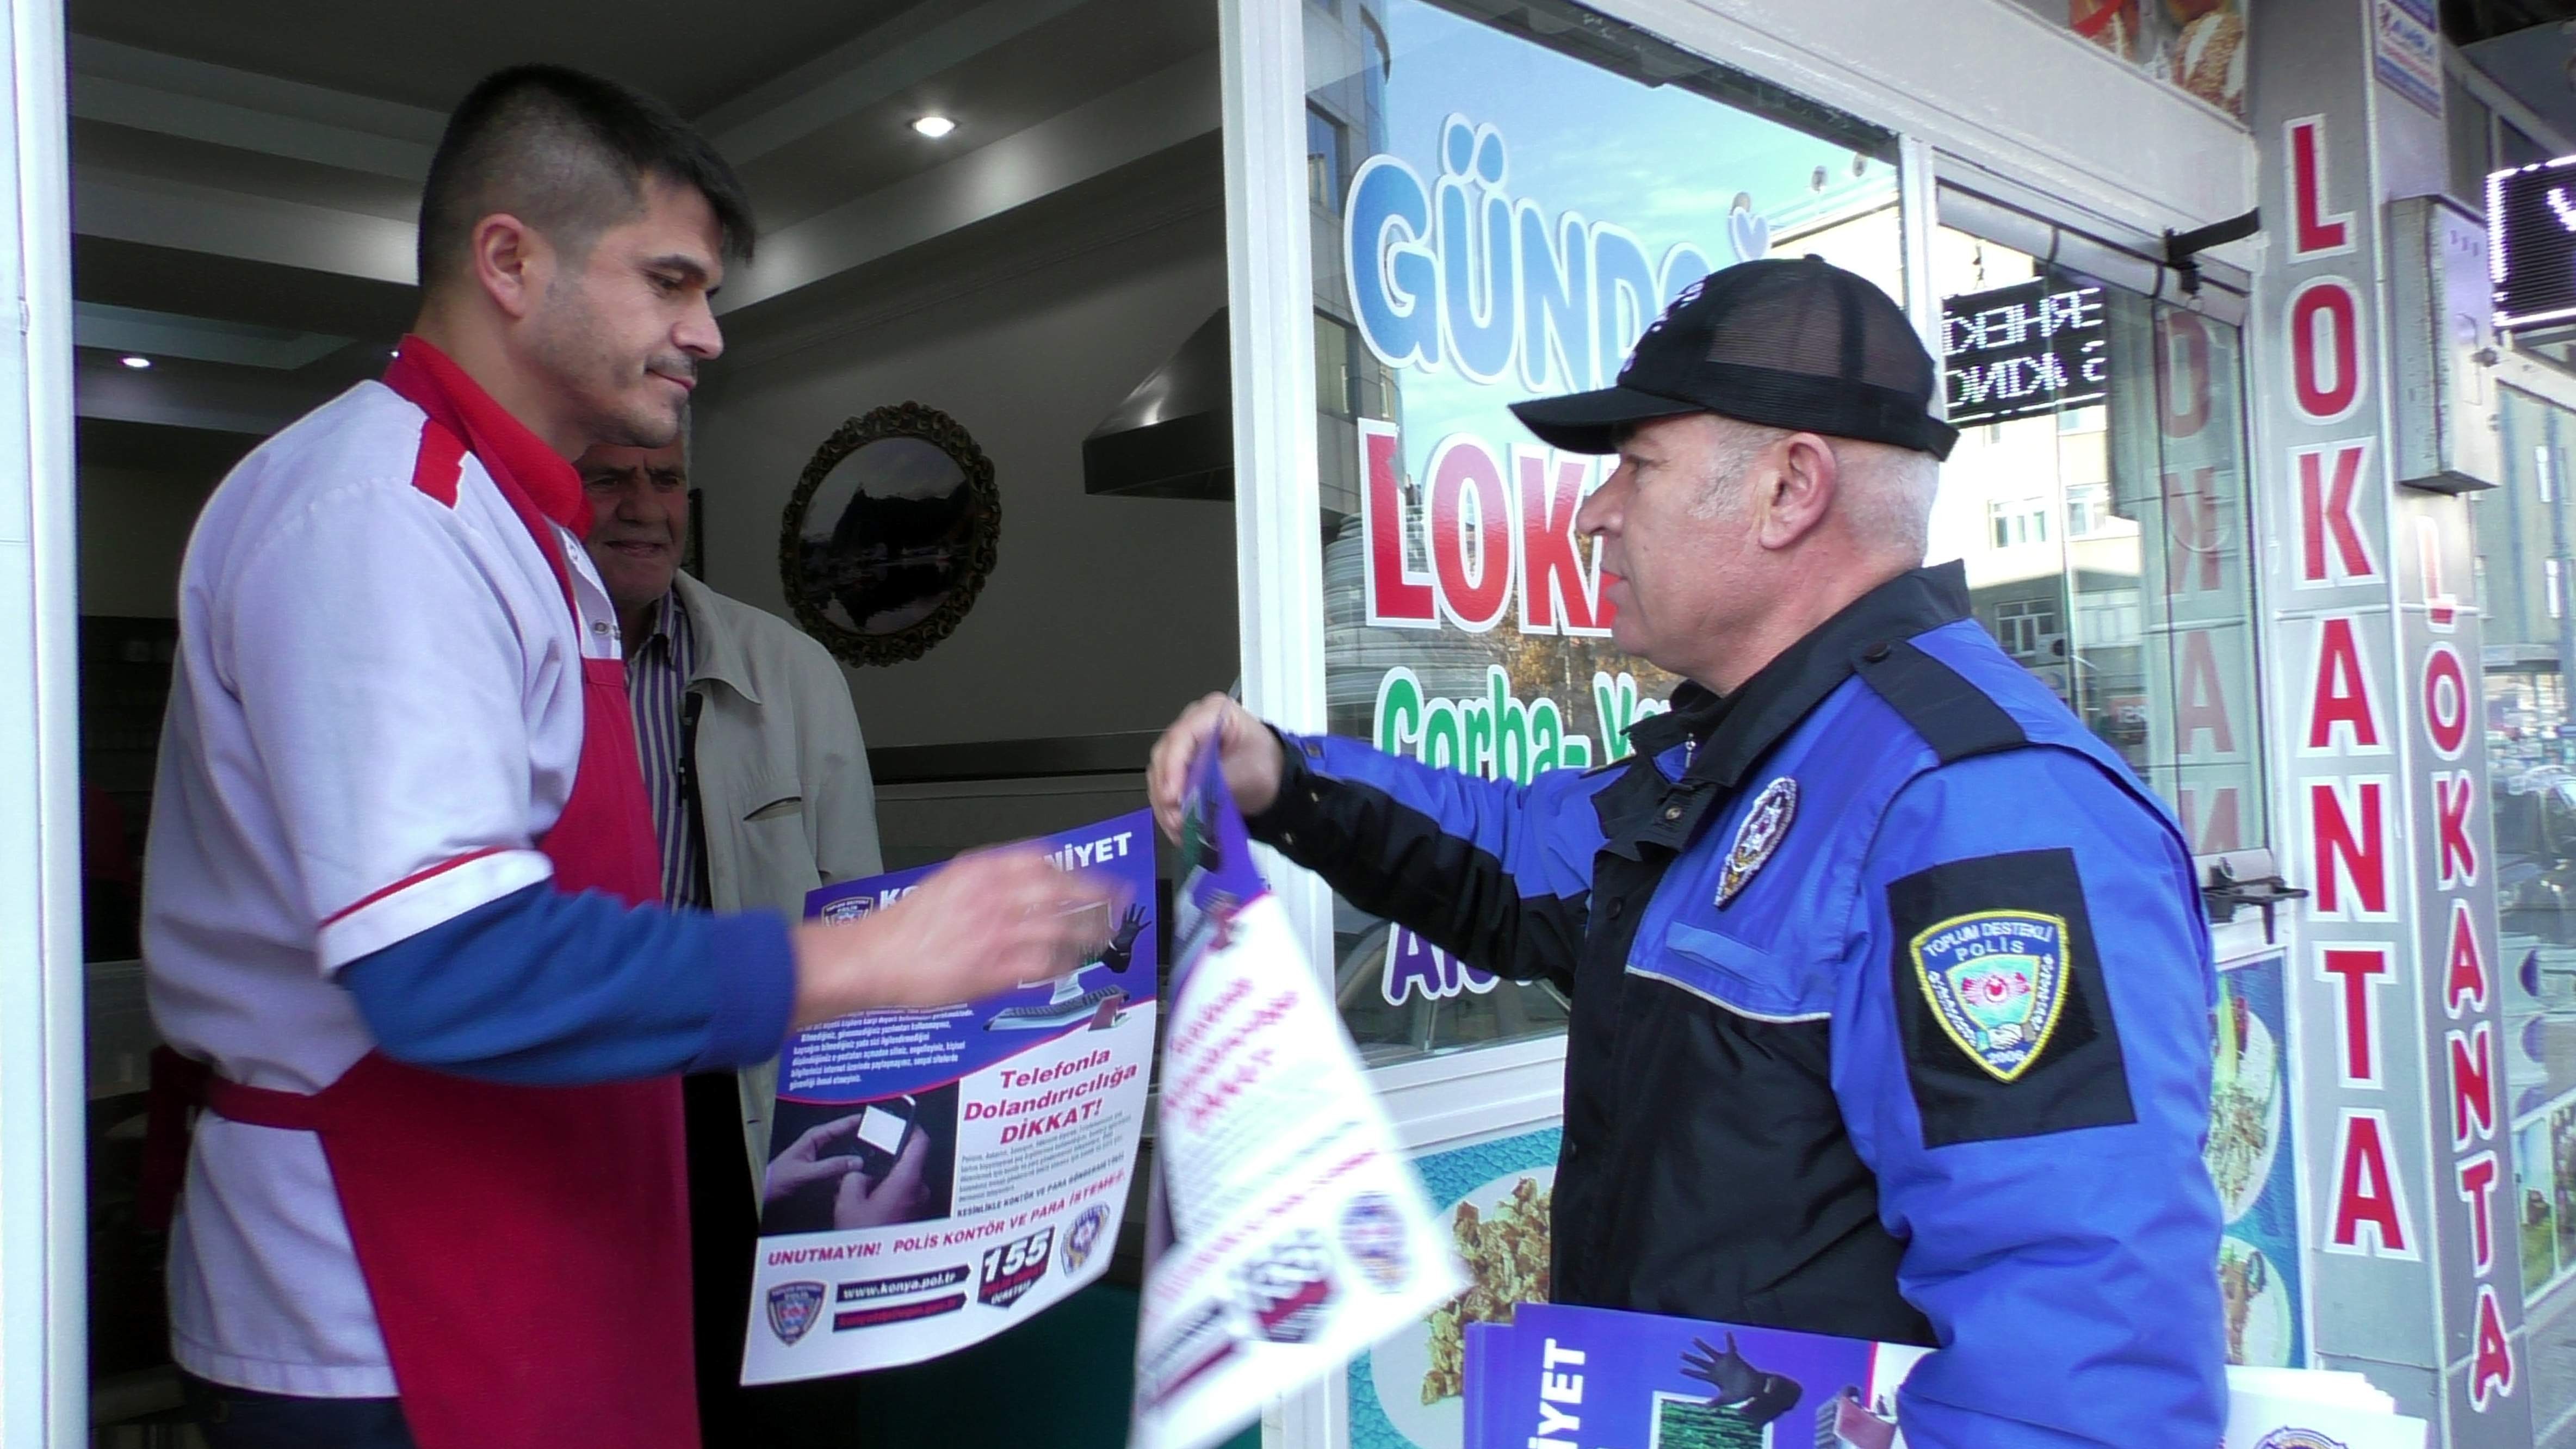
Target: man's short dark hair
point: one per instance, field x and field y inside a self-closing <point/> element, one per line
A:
<point x="567" y="153"/>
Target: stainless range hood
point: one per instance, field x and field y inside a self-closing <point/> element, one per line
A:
<point x="1174" y="435"/>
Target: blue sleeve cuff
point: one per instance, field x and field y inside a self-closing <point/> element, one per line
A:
<point x="756" y="958"/>
<point x="542" y="988"/>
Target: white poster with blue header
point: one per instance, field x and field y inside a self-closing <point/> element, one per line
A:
<point x="1286" y="1232"/>
<point x="938" y="1176"/>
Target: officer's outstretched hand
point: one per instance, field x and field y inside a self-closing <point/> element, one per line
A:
<point x="1251" y="759"/>
<point x="985" y="923"/>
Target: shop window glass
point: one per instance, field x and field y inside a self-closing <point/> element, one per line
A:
<point x="2525" y="540"/>
<point x="2098" y="499"/>
<point x="2515" y="148"/>
<point x="2088" y="510"/>
<point x="1327" y="163"/>
<point x="1335" y="394"/>
<point x="1527" y="185"/>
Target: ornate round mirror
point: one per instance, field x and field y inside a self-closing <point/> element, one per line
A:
<point x="890" y="534"/>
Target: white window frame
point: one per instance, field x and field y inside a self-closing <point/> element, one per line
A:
<point x="44" y="1369"/>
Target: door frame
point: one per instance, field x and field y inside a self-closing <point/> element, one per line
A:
<point x="44" y="1242"/>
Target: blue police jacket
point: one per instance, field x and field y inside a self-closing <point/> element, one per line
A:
<point x="1890" y="1017"/>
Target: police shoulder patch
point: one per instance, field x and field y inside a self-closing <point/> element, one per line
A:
<point x="2000" y="1005"/>
<point x="1997" y="984"/>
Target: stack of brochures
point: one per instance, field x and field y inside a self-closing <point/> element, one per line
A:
<point x="1581" y="1377"/>
<point x="2329" y="1405"/>
<point x="1285" y="1232"/>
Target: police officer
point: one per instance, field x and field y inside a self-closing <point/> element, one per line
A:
<point x="1890" y="993"/>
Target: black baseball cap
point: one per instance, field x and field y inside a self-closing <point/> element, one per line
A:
<point x="1787" y="344"/>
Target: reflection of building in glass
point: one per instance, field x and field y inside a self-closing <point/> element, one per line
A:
<point x="2103" y="525"/>
<point x="1348" y="64"/>
<point x="2054" y="575"/>
<point x="2522" y="583"/>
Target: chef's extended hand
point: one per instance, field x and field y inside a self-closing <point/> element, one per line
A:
<point x="1251" y="759"/>
<point x="982" y="925"/>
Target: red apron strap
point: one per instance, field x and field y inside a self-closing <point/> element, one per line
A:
<point x="177" y="1088"/>
<point x="266" y="1107"/>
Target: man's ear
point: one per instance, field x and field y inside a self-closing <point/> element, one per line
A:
<point x="511" y="262"/>
<point x="1805" y="478"/>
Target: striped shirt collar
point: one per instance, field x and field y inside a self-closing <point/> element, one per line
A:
<point x="670" y="627"/>
<point x="658" y="670"/>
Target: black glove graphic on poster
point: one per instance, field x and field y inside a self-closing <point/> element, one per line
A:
<point x="1122" y="946"/>
<point x="1742" y="1390"/>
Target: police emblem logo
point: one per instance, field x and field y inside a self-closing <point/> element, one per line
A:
<point x="848" y="910"/>
<point x="1758" y="836"/>
<point x="1288" y="1291"/>
<point x="1373" y="1235"/>
<point x="1997" y="984"/>
<point x="1082" y="1237"/>
<point x="794" y="1308"/>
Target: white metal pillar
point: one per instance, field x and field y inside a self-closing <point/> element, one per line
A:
<point x="44" y="1397"/>
<point x="1278" y="513"/>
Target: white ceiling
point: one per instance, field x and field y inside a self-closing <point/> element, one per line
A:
<point x="693" y="55"/>
<point x="245" y="173"/>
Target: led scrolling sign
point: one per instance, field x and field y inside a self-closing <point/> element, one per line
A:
<point x="2531" y="244"/>
<point x="2019" y="350"/>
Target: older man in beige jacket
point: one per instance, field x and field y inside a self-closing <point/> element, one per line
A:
<point x="760" y="791"/>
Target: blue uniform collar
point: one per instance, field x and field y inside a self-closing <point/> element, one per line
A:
<point x="1729" y="733"/>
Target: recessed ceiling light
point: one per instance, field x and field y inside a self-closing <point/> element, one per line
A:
<point x="135" y="362"/>
<point x="934" y="126"/>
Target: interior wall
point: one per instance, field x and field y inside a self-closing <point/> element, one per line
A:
<point x="133" y="529"/>
<point x="1102" y="614"/>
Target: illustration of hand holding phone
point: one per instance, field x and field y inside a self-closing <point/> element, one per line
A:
<point x="883" y="1131"/>
<point x="871" y="1139"/>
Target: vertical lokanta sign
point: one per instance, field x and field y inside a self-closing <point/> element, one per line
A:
<point x="1287" y="1233"/>
<point x="938" y="1176"/>
<point x="2413" y="1219"/>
